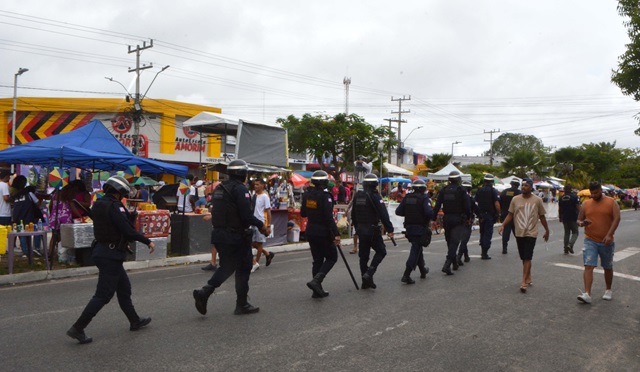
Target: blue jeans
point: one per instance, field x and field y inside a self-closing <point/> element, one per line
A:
<point x="593" y="249"/>
<point x="25" y="241"/>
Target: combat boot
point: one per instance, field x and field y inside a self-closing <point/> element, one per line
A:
<point x="79" y="335"/>
<point x="316" y="285"/>
<point x="367" y="278"/>
<point x="460" y="263"/>
<point x="466" y="257"/>
<point x="504" y="249"/>
<point x="447" y="267"/>
<point x="424" y="270"/>
<point x="454" y="262"/>
<point x="202" y="296"/>
<point x="406" y="278"/>
<point x="246" y="308"/>
<point x="485" y="254"/>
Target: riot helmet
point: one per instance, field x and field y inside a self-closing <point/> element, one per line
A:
<point x="118" y="184"/>
<point x="320" y="179"/>
<point x="238" y="169"/>
<point x="454" y="177"/>
<point x="419" y="186"/>
<point x="370" y="181"/>
<point x="515" y="182"/>
<point x="467" y="185"/>
<point x="489" y="177"/>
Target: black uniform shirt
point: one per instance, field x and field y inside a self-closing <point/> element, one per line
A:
<point x="317" y="206"/>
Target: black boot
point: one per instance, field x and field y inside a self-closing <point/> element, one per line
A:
<point x="485" y="254"/>
<point x="424" y="270"/>
<point x="79" y="335"/>
<point x="504" y="249"/>
<point x="246" y="308"/>
<point x="367" y="278"/>
<point x="460" y="263"/>
<point x="141" y="323"/>
<point x="316" y="285"/>
<point x="455" y="264"/>
<point x="447" y="267"/>
<point x="406" y="278"/>
<point x="201" y="296"/>
<point x="466" y="257"/>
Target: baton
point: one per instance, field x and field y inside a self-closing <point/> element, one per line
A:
<point x="348" y="268"/>
<point x="394" y="242"/>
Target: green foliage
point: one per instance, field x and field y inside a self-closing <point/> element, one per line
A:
<point x="627" y="76"/>
<point x="477" y="172"/>
<point x="437" y="161"/>
<point x="524" y="161"/>
<point x="508" y="143"/>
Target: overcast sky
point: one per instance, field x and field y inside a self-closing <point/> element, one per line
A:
<point x="533" y="67"/>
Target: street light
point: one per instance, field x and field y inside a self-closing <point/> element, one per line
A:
<point x="21" y="71"/>
<point x="154" y="79"/>
<point x="453" y="143"/>
<point x="380" y="149"/>
<point x="401" y="146"/>
<point x="410" y="134"/>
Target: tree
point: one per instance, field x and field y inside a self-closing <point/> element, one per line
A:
<point x="508" y="143"/>
<point x="627" y="76"/>
<point x="437" y="161"/>
<point x="604" y="158"/>
<point x="524" y="162"/>
<point x="337" y="136"/>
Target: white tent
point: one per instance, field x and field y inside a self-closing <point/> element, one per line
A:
<point x="395" y="170"/>
<point x="443" y="174"/>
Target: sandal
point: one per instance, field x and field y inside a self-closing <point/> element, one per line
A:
<point x="523" y="289"/>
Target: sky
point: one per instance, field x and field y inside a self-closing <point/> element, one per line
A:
<point x="539" y="68"/>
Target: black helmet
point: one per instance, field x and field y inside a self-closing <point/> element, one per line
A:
<point x="515" y="182"/>
<point x="370" y="181"/>
<point x="238" y="169"/>
<point x="454" y="176"/>
<point x="419" y="185"/>
<point x="467" y="185"/>
<point x="320" y="179"/>
<point x="118" y="184"/>
<point x="489" y="177"/>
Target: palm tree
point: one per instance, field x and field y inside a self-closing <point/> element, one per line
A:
<point x="523" y="163"/>
<point x="437" y="161"/>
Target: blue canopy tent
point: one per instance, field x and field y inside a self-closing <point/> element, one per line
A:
<point x="91" y="146"/>
<point x="395" y="179"/>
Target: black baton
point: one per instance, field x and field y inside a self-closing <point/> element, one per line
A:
<point x="348" y="268"/>
<point x="393" y="241"/>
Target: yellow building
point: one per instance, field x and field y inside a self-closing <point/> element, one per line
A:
<point x="160" y="131"/>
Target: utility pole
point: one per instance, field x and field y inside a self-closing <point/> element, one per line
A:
<point x="400" y="121"/>
<point x="137" y="113"/>
<point x="491" y="132"/>
<point x="346" y="81"/>
<point x="390" y="128"/>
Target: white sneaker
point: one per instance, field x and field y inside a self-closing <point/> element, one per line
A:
<point x="584" y="298"/>
<point x="255" y="267"/>
<point x="607" y="295"/>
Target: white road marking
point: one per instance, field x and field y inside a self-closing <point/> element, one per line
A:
<point x="599" y="271"/>
<point x="625" y="253"/>
<point x="378" y="333"/>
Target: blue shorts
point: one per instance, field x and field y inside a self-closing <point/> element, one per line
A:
<point x="594" y="249"/>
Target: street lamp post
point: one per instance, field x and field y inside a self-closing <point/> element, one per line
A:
<point x="401" y="146"/>
<point x="453" y="143"/>
<point x="380" y="149"/>
<point x="21" y="71"/>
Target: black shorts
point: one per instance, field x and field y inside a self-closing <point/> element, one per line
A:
<point x="525" y="247"/>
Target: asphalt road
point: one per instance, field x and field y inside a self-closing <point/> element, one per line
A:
<point x="476" y="320"/>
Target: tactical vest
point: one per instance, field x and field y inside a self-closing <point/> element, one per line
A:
<point x="104" y="230"/>
<point x="225" y="212"/>
<point x="314" y="203"/>
<point x="452" y="201"/>
<point x="414" y="209"/>
<point x="506" y="197"/>
<point x="485" y="200"/>
<point x="364" y="209"/>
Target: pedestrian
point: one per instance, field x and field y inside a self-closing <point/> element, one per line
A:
<point x="489" y="208"/>
<point x="261" y="208"/>
<point x="635" y="202"/>
<point x="568" y="210"/>
<point x="368" y="213"/>
<point x="322" y="232"/>
<point x="342" y="193"/>
<point x="231" y="219"/>
<point x="505" y="200"/>
<point x="186" y="203"/>
<point x="600" y="217"/>
<point x="5" y="197"/>
<point x="456" y="204"/>
<point x="463" y="251"/>
<point x="113" y="230"/>
<point x="417" y="212"/>
<point x="200" y="194"/>
<point x="525" y="210"/>
<point x="26" y="209"/>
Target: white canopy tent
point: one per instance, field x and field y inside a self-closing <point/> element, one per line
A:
<point x="443" y="174"/>
<point x="395" y="170"/>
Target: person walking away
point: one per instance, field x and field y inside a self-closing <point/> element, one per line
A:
<point x="201" y="195"/>
<point x="568" y="211"/>
<point x="231" y="219"/>
<point x="5" y="197"/>
<point x="456" y="204"/>
<point x="489" y="208"/>
<point x="261" y="207"/>
<point x="113" y="230"/>
<point x="322" y="232"/>
<point x="525" y="210"/>
<point x="505" y="200"/>
<point x="463" y="251"/>
<point x="26" y="209"/>
<point x="368" y="213"/>
<point x="600" y="217"/>
<point x="417" y="212"/>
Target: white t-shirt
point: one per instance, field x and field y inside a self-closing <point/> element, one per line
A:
<point x="262" y="203"/>
<point x="5" y="207"/>
<point x="187" y="205"/>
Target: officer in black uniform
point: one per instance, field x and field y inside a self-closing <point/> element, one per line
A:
<point x="113" y="229"/>
<point x="455" y="203"/>
<point x="505" y="200"/>
<point x="322" y="232"/>
<point x="368" y="211"/>
<point x="464" y="249"/>
<point x="488" y="208"/>
<point x="417" y="212"/>
<point x="231" y="219"/>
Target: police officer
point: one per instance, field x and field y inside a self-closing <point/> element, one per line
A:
<point x="505" y="200"/>
<point x="488" y="208"/>
<point x="113" y="229"/>
<point x="368" y="211"/>
<point x="231" y="219"/>
<point x="464" y="249"/>
<point x="417" y="212"/>
<point x="322" y="232"/>
<point x="455" y="202"/>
